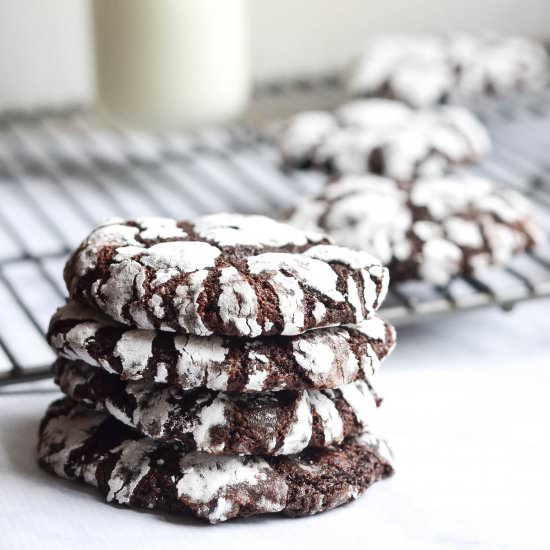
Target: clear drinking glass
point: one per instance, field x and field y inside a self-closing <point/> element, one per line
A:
<point x="172" y="63"/>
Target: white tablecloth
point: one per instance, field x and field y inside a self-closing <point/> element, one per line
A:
<point x="466" y="409"/>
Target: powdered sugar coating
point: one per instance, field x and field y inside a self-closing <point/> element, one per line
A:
<point x="367" y="212"/>
<point x="68" y="440"/>
<point x="134" y="349"/>
<point x="386" y="137"/>
<point x="132" y="466"/>
<point x="406" y="67"/>
<point x="160" y="228"/>
<point x="304" y="132"/>
<point x="208" y="478"/>
<point x="434" y="229"/>
<point x="425" y="69"/>
<point x="324" y="358"/>
<point x="318" y="274"/>
<point x="257" y="231"/>
<point x="79" y="443"/>
<point x="331" y="421"/>
<point x="299" y="431"/>
<point x="224" y="423"/>
<point x="375" y="113"/>
<point x="225" y="273"/>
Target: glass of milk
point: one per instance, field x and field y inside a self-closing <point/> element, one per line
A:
<point x="172" y="63"/>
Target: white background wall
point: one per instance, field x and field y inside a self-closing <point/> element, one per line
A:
<point x="45" y="48"/>
<point x="310" y="35"/>
<point x="44" y="52"/>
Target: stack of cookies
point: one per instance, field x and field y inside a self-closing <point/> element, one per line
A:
<point x="221" y="368"/>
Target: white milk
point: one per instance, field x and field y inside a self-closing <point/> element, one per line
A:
<point x="172" y="63"/>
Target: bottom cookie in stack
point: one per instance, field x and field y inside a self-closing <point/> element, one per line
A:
<point x="80" y="443"/>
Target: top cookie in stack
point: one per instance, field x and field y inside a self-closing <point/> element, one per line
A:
<point x="227" y="274"/>
<point x="221" y="367"/>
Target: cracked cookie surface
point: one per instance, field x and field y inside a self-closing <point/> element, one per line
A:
<point x="383" y="137"/>
<point x="130" y="469"/>
<point x="266" y="423"/>
<point x="318" y="359"/>
<point x="229" y="274"/>
<point x="434" y="229"/>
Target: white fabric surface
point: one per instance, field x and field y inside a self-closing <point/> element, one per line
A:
<point x="465" y="408"/>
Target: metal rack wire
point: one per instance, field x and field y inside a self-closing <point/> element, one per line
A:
<point x="61" y="173"/>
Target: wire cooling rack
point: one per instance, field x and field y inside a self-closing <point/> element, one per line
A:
<point x="61" y="173"/>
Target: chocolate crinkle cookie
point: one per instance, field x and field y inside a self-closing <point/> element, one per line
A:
<point x="425" y="69"/>
<point x="318" y="359"/>
<point x="228" y="274"/>
<point x="266" y="423"/>
<point x="383" y="137"/>
<point x="79" y="443"/>
<point x="220" y="368"/>
<point x="434" y="229"/>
